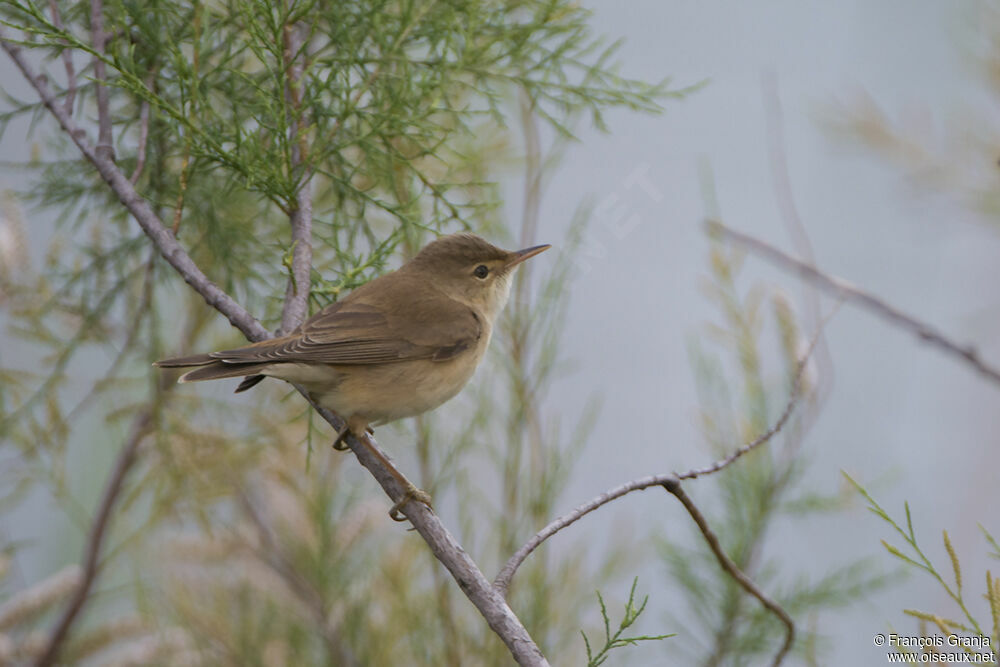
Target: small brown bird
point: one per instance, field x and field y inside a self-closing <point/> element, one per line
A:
<point x="395" y="347"/>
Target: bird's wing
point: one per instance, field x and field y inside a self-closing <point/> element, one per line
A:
<point x="363" y="331"/>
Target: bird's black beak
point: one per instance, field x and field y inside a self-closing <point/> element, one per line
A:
<point x="521" y="255"/>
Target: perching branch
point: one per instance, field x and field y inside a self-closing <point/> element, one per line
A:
<point x="487" y="599"/>
<point x="673" y="486"/>
<point x="95" y="538"/>
<point x="845" y="290"/>
<point x="445" y="547"/>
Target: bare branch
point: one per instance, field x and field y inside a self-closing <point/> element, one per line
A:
<point x="673" y="487"/>
<point x="140" y="209"/>
<point x="300" y="279"/>
<point x="95" y="538"/>
<point x="105" y="142"/>
<point x="852" y="294"/>
<point x="487" y="599"/>
<point x="67" y="58"/>
<point x="786" y="414"/>
<point x="503" y="579"/>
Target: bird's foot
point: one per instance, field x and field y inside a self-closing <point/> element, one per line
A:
<point x="411" y="493"/>
<point x="340" y="444"/>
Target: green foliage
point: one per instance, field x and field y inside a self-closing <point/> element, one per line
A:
<point x="913" y="556"/>
<point x="616" y="640"/>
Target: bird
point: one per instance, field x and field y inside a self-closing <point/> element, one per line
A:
<point x="397" y="346"/>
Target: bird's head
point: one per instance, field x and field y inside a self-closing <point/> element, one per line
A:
<point x="471" y="270"/>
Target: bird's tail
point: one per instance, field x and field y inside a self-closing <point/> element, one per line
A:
<point x="210" y="368"/>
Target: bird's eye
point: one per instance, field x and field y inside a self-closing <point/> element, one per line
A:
<point x="481" y="271"/>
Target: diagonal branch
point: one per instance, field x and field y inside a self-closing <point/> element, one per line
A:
<point x="673" y="486"/>
<point x="487" y="599"/>
<point x="140" y="209"/>
<point x="848" y="292"/>
<point x="95" y="538"/>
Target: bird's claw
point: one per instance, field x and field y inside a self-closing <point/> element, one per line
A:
<point x="340" y="444"/>
<point x="411" y="493"/>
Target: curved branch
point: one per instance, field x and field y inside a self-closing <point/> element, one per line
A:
<point x="786" y="414"/>
<point x="845" y="290"/>
<point x="503" y="579"/>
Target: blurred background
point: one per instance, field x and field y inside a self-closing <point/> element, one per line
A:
<point x="867" y="128"/>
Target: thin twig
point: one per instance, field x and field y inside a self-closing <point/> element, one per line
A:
<point x="793" y="399"/>
<point x="139" y="207"/>
<point x="105" y="142"/>
<point x="296" y="305"/>
<point x="673" y="486"/>
<point x="140" y="154"/>
<point x="67" y="58"/>
<point x="95" y="538"/>
<point x="853" y="294"/>
<point x="503" y="579"/>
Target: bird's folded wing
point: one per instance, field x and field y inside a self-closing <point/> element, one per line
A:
<point x="356" y="332"/>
